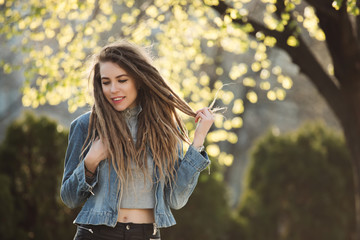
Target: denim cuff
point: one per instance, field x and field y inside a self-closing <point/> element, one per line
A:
<point x="196" y="159"/>
<point x="80" y="174"/>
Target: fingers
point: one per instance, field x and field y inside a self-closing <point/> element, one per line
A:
<point x="200" y="115"/>
<point x="204" y="113"/>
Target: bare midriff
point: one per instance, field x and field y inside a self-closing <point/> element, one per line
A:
<point x="127" y="215"/>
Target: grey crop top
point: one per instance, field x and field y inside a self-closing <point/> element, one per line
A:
<point x="139" y="192"/>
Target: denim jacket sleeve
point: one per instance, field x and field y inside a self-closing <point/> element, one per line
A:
<point x="187" y="174"/>
<point x="74" y="188"/>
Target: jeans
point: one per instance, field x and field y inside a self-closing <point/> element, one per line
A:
<point x="122" y="231"/>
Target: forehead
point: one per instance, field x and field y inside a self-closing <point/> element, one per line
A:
<point x="111" y="69"/>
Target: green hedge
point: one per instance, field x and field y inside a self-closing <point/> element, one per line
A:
<point x="31" y="166"/>
<point x="299" y="186"/>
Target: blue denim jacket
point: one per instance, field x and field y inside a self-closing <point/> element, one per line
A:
<point x="101" y="201"/>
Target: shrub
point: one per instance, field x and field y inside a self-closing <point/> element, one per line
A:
<point x="299" y="186"/>
<point x="31" y="167"/>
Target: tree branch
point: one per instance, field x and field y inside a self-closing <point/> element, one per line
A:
<point x="301" y="55"/>
<point x="357" y="25"/>
<point x="324" y="6"/>
<point x="342" y="43"/>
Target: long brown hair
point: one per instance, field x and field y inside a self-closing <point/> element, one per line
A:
<point x="160" y="129"/>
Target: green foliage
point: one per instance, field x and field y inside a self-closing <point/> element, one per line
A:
<point x="206" y="215"/>
<point x="31" y="167"/>
<point x="299" y="186"/>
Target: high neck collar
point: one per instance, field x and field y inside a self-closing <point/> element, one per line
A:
<point x="132" y="112"/>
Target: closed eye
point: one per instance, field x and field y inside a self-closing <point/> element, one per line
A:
<point x="122" y="81"/>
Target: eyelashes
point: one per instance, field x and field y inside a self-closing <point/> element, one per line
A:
<point x="108" y="82"/>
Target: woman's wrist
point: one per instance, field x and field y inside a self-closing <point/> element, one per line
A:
<point x="197" y="143"/>
<point x="88" y="172"/>
<point x="90" y="166"/>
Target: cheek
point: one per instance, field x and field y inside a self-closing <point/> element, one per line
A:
<point x="105" y="90"/>
<point x="133" y="90"/>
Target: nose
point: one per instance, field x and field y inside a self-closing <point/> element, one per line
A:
<point x="113" y="88"/>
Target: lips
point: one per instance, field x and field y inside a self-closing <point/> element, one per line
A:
<point x="116" y="100"/>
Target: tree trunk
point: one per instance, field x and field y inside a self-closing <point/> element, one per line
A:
<point x="351" y="126"/>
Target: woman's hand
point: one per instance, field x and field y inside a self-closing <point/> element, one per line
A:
<point x="96" y="154"/>
<point x="205" y="119"/>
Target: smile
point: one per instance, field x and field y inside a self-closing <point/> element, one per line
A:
<point x="117" y="99"/>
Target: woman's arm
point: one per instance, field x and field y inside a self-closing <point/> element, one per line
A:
<point x="74" y="188"/>
<point x="189" y="166"/>
<point x="188" y="169"/>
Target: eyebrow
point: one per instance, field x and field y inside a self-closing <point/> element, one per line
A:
<point x="119" y="76"/>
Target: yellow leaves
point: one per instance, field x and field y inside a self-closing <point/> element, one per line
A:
<point x="285" y="81"/>
<point x="88" y="31"/>
<point x="217" y="135"/>
<point x="7" y="68"/>
<point x="278" y="93"/>
<point x="232" y="138"/>
<point x="270" y="21"/>
<point x="218" y="121"/>
<point x="179" y="13"/>
<point x="336" y="4"/>
<point x="53" y="97"/>
<point x="213" y="150"/>
<point x="238" y="107"/>
<point x="219" y="71"/>
<point x="221" y="135"/>
<point x="255" y="66"/>
<point x="226" y="159"/>
<point x="265" y="85"/>
<point x="40" y="36"/>
<point x="211" y="2"/>
<point x="269" y="1"/>
<point x="270" y="41"/>
<point x="311" y="23"/>
<point x="35" y="23"/>
<point x="237" y="71"/>
<point x="227" y="125"/>
<point x="152" y="11"/>
<point x="204" y="79"/>
<point x="292" y="41"/>
<point x="47" y="50"/>
<point x="51" y="23"/>
<point x="49" y="33"/>
<point x="330" y="69"/>
<point x="264" y="74"/>
<point x="66" y="34"/>
<point x="22" y="24"/>
<point x="227" y="97"/>
<point x="237" y="122"/>
<point x="320" y="35"/>
<point x="276" y="70"/>
<point x="233" y="44"/>
<point x="271" y="95"/>
<point x="252" y="97"/>
<point x="30" y="97"/>
<point x="270" y="8"/>
<point x="249" y="82"/>
<point x="260" y="56"/>
<point x="106" y="7"/>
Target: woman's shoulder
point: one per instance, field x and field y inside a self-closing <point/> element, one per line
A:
<point x="83" y="119"/>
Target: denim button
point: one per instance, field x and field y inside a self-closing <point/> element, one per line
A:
<point x="128" y="227"/>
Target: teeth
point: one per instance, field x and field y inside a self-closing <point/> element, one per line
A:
<point x="117" y="99"/>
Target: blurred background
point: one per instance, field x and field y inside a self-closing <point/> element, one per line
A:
<point x="284" y="155"/>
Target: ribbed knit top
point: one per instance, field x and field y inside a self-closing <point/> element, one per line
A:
<point x="139" y="191"/>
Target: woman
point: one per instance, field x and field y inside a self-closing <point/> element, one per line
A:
<point x="124" y="162"/>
